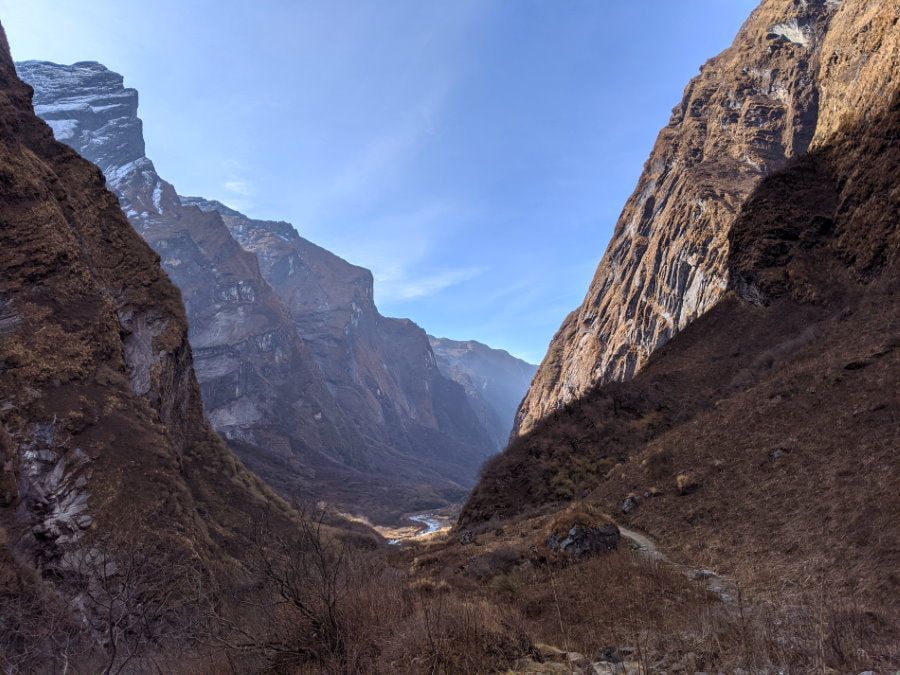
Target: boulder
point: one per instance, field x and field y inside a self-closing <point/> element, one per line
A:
<point x="685" y="484"/>
<point x="631" y="501"/>
<point x="583" y="540"/>
<point x="582" y="531"/>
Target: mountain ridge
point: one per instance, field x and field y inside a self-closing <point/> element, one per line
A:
<point x="751" y="109"/>
<point x="494" y="380"/>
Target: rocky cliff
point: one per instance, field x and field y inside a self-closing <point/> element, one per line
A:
<point x="382" y="370"/>
<point x="752" y="109"/>
<point x="104" y="449"/>
<point x="494" y="380"/>
<point x="758" y="439"/>
<point x="316" y="391"/>
<point x="261" y="387"/>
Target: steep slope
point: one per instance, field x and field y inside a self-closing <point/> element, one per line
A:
<point x="749" y="111"/>
<point x="381" y="370"/>
<point x="319" y="406"/>
<point x="102" y="436"/>
<point x="261" y="387"/>
<point x="495" y="381"/>
<point x="762" y="441"/>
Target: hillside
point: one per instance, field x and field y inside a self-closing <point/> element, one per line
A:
<point x="758" y="441"/>
<point x="107" y="461"/>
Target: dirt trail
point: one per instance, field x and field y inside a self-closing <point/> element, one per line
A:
<point x="724" y="588"/>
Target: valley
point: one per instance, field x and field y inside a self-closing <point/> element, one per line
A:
<point x="218" y="455"/>
<point x="312" y="387"/>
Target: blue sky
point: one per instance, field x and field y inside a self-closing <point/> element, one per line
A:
<point x="475" y="154"/>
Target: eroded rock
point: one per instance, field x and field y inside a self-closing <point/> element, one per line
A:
<point x="751" y="109"/>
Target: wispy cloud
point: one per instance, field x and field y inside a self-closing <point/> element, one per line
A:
<point x="403" y="250"/>
<point x="397" y="284"/>
<point x="386" y="154"/>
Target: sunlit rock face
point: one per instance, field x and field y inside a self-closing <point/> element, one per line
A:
<point x="797" y="363"/>
<point x="316" y="390"/>
<point x="750" y="111"/>
<point x="494" y="380"/>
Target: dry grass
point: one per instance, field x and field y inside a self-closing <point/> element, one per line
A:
<point x="314" y="601"/>
<point x="627" y="599"/>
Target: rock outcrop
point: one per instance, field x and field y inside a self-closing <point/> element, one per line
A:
<point x="494" y="380"/>
<point x="261" y="387"/>
<point x="581" y="533"/>
<point x="751" y="110"/>
<point x="314" y="389"/>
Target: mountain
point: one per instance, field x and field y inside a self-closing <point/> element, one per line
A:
<point x="749" y="112"/>
<point x="105" y="455"/>
<point x="261" y="388"/>
<point x="315" y="390"/>
<point x="382" y="370"/>
<point x="495" y="381"/>
<point x="759" y="441"/>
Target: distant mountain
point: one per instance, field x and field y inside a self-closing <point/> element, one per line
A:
<point x="316" y="391"/>
<point x="381" y="370"/>
<point x="494" y="380"/>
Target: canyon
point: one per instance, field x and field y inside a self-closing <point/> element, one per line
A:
<point x="313" y="388"/>
<point x="700" y="478"/>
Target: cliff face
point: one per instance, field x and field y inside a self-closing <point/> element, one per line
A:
<point x="261" y="387"/>
<point x="102" y="433"/>
<point x="756" y="441"/>
<point x="315" y="390"/>
<point x="381" y="370"/>
<point x="495" y="381"/>
<point x="751" y="109"/>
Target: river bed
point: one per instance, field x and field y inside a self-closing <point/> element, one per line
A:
<point x="432" y="522"/>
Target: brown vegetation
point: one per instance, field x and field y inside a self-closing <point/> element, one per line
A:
<point x="770" y="423"/>
<point x="312" y="600"/>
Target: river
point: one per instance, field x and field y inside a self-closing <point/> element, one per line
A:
<point x="432" y="523"/>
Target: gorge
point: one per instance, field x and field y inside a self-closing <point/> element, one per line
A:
<point x="312" y="387"/>
<point x="203" y="414"/>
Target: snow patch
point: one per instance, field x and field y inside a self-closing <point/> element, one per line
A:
<point x="63" y="130"/>
<point x="157" y="196"/>
<point x="790" y="31"/>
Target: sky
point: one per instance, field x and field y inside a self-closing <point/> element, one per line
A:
<point x="474" y="154"/>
